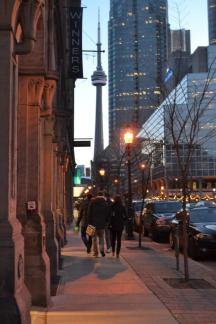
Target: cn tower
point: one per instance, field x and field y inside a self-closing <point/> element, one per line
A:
<point x="99" y="79"/>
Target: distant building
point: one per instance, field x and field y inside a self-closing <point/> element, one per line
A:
<point x="212" y="21"/>
<point x="180" y="41"/>
<point x="88" y="172"/>
<point x="178" y="66"/>
<point x="138" y="53"/>
<point x="179" y="61"/>
<point x="199" y="60"/>
<point x="158" y="141"/>
<point x="182" y="63"/>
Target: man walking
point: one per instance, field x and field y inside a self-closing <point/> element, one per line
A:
<point x="83" y="219"/>
<point x="98" y="214"/>
<point x="107" y="230"/>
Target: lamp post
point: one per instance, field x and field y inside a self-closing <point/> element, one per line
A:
<point x="128" y="139"/>
<point x="162" y="191"/>
<point x="102" y="174"/>
<point x="116" y="182"/>
<point x="142" y="167"/>
<point x="143" y="194"/>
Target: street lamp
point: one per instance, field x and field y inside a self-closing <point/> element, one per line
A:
<point x="142" y="167"/>
<point x="162" y="191"/>
<point x="128" y="139"/>
<point x="102" y="173"/>
<point x="116" y="182"/>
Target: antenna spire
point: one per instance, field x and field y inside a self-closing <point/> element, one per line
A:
<point x="99" y="29"/>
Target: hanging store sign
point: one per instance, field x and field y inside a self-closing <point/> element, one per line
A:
<point x="75" y="43"/>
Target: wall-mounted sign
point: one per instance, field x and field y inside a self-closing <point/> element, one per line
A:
<point x="82" y="143"/>
<point x="31" y="205"/>
<point x="75" y="43"/>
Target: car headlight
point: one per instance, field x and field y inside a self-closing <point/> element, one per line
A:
<point x="203" y="236"/>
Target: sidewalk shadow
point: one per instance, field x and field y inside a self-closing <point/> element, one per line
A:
<point x="75" y="267"/>
<point x="109" y="268"/>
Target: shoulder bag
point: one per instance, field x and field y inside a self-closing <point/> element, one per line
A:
<point x="90" y="230"/>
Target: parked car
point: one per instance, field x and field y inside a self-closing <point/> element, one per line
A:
<point x="138" y="206"/>
<point x="201" y="231"/>
<point x="205" y="203"/>
<point x="157" y="216"/>
<point x="190" y="205"/>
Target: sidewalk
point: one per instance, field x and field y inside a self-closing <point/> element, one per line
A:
<point x="153" y="264"/>
<point x="126" y="290"/>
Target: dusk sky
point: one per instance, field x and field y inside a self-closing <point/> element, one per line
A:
<point x="192" y="15"/>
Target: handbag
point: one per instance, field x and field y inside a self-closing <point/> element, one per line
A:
<point x="90" y="230"/>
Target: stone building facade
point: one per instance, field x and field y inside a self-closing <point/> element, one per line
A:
<point x="36" y="150"/>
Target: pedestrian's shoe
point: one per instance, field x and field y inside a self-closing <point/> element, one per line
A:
<point x="95" y="255"/>
<point x="113" y="254"/>
<point x="108" y="250"/>
<point x="117" y="256"/>
<point x="102" y="254"/>
<point x="88" y="250"/>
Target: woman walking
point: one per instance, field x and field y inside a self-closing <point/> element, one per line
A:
<point x="118" y="216"/>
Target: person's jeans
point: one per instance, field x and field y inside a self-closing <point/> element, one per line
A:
<point x="107" y="237"/>
<point x="116" y="236"/>
<point x="99" y="235"/>
<point x="87" y="240"/>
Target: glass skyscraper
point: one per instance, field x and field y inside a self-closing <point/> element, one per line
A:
<point x="212" y="21"/>
<point x="158" y="142"/>
<point x="138" y="51"/>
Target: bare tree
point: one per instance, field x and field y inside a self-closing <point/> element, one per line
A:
<point x="189" y="123"/>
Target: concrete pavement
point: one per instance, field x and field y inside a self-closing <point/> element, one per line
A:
<point x="100" y="290"/>
<point x="155" y="265"/>
<point x="133" y="289"/>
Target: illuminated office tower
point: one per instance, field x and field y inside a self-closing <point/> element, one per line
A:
<point x="138" y="52"/>
<point x="98" y="80"/>
<point x="212" y="21"/>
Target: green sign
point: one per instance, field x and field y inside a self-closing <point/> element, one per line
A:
<point x="77" y="176"/>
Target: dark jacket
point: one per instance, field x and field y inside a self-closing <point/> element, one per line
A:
<point x="118" y="217"/>
<point x="83" y="213"/>
<point x="98" y="212"/>
<point x="109" y="204"/>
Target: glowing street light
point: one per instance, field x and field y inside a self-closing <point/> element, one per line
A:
<point x="116" y="183"/>
<point x="142" y="166"/>
<point x="102" y="172"/>
<point x="128" y="139"/>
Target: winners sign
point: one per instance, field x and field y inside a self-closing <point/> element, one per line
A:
<point x="75" y="43"/>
